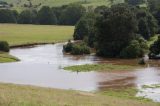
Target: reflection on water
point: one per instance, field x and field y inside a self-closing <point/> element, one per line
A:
<point x="43" y="66"/>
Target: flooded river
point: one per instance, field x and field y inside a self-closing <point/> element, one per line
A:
<point x="43" y="66"/>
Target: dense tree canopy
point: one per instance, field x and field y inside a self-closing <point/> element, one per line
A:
<point x="135" y="2"/>
<point x="71" y="14"/>
<point x="84" y="25"/>
<point x="155" y="48"/>
<point x="147" y="24"/>
<point x="137" y="48"/>
<point x="46" y="16"/>
<point x="116" y="27"/>
<point x="7" y="16"/>
<point x="27" y="17"/>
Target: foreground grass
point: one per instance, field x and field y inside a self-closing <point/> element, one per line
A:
<point x="5" y="57"/>
<point x="100" y="67"/>
<point x="16" y="95"/>
<point x="29" y="34"/>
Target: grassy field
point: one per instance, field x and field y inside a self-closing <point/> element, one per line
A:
<point x="99" y="67"/>
<point x="16" y="95"/>
<point x="27" y="34"/>
<point x="18" y="4"/>
<point x="5" y="57"/>
<point x="16" y="34"/>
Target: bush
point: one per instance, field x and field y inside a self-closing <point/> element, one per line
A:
<point x="68" y="47"/>
<point x="155" y="48"/>
<point x="79" y="49"/>
<point x="4" y="46"/>
<point x="76" y="49"/>
<point x="136" y="48"/>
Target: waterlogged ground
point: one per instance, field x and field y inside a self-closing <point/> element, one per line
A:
<point x="43" y="66"/>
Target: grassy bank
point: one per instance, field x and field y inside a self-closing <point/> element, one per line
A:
<point x="29" y="34"/>
<point x="21" y="35"/>
<point x="5" y="57"/>
<point x="100" y="67"/>
<point x="16" y="95"/>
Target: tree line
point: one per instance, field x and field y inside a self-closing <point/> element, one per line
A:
<point x="64" y="15"/>
<point x="119" y="31"/>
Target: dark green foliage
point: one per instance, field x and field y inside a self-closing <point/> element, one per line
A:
<point x="84" y="26"/>
<point x="46" y="16"/>
<point x="71" y="14"/>
<point x="153" y="5"/>
<point x="68" y="47"/>
<point x="100" y="9"/>
<point x="115" y="29"/>
<point x="7" y="16"/>
<point x="58" y="12"/>
<point x="27" y="17"/>
<point x="15" y="14"/>
<point x="147" y="24"/>
<point x="4" y="46"/>
<point x="79" y="49"/>
<point x="155" y="48"/>
<point x="136" y="48"/>
<point x="135" y="2"/>
<point x="76" y="48"/>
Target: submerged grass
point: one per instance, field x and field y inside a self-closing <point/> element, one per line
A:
<point x="16" y="95"/>
<point x="153" y="86"/>
<point x="100" y="67"/>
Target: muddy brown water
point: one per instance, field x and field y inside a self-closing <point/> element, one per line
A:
<point x="43" y="66"/>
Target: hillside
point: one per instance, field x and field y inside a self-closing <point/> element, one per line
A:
<point x="21" y="4"/>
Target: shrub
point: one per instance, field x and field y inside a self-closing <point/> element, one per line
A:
<point x="76" y="49"/>
<point x="79" y="49"/>
<point x="68" y="47"/>
<point x="155" y="48"/>
<point x="4" y="46"/>
<point x="136" y="48"/>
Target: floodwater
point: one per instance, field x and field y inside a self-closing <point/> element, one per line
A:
<point x="43" y="66"/>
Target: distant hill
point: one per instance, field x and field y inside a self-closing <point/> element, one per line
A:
<point x="22" y="4"/>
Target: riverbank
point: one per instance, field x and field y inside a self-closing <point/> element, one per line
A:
<point x="20" y="35"/>
<point x="5" y="57"/>
<point x="19" y="95"/>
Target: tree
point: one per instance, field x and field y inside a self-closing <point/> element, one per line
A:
<point x="115" y="28"/>
<point x="155" y="48"/>
<point x="7" y="16"/>
<point x="46" y="16"/>
<point x="72" y="14"/>
<point x="153" y="5"/>
<point x="84" y="26"/>
<point x="27" y="17"/>
<point x="58" y="12"/>
<point x="147" y="24"/>
<point x="136" y="48"/>
<point x="100" y="9"/>
<point x="135" y="2"/>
